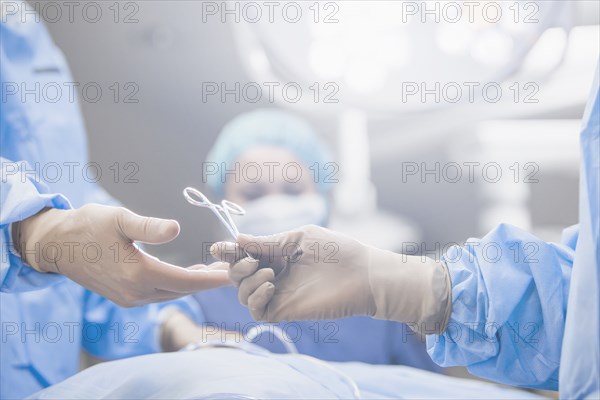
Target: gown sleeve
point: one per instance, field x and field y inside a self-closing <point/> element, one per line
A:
<point x="509" y="302"/>
<point x="22" y="195"/>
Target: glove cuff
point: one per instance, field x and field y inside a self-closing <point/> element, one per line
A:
<point x="410" y="289"/>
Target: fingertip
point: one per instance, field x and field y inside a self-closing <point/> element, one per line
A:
<point x="171" y="228"/>
<point x="215" y="249"/>
<point x="226" y="251"/>
<point x="261" y="296"/>
<point x="165" y="229"/>
<point x="243" y="268"/>
<point x="244" y="239"/>
<point x="270" y="273"/>
<point x="251" y="260"/>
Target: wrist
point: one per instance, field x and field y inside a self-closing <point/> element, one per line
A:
<point x="35" y="233"/>
<point x="410" y="289"/>
<point x="16" y="238"/>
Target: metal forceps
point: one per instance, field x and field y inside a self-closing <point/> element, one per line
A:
<point x="224" y="211"/>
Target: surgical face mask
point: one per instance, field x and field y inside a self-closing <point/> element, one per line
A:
<point x="280" y="212"/>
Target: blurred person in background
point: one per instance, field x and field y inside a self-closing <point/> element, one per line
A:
<point x="520" y="317"/>
<point x="281" y="169"/>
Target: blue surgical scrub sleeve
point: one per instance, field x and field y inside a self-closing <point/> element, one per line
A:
<point x="111" y="332"/>
<point x="509" y="300"/>
<point x="580" y="359"/>
<point x="525" y="307"/>
<point x="49" y="318"/>
<point x="22" y="196"/>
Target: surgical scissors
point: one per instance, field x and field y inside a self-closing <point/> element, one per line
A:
<point x="224" y="211"/>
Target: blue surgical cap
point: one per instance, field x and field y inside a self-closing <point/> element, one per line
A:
<point x="271" y="127"/>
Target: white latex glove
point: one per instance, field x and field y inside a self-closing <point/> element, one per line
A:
<point x="316" y="273"/>
<point x="93" y="246"/>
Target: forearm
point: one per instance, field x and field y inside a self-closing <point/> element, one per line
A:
<point x="410" y="289"/>
<point x="508" y="308"/>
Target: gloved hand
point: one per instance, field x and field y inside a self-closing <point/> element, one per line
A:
<point x="93" y="246"/>
<point x="316" y="273"/>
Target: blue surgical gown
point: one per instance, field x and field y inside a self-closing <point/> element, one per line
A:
<point x="526" y="312"/>
<point x="46" y="319"/>
<point x="349" y="339"/>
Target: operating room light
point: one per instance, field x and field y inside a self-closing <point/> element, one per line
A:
<point x="372" y="48"/>
<point x="360" y="56"/>
<point x="492" y="48"/>
<point x="454" y="39"/>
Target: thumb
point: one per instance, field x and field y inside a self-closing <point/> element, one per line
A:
<point x="227" y="252"/>
<point x="147" y="229"/>
<point x="264" y="247"/>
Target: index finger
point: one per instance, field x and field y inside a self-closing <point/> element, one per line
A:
<point x="227" y="251"/>
<point x="218" y="265"/>
<point x="172" y="278"/>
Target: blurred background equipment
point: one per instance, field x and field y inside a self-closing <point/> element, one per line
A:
<point x="408" y="97"/>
